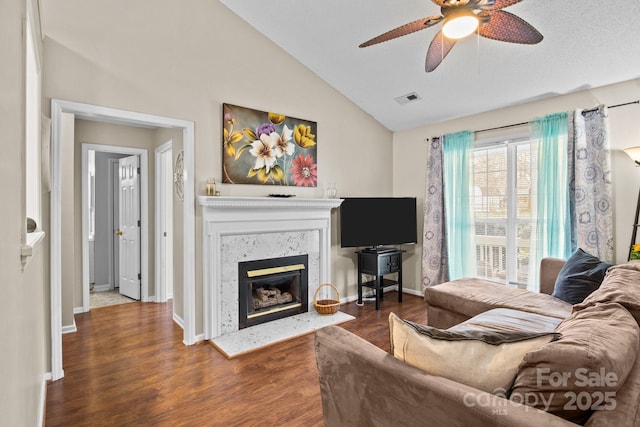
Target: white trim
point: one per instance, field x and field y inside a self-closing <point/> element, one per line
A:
<point x="42" y="406"/>
<point x="103" y="288"/>
<point x="160" y="291"/>
<point x="34" y="240"/>
<point x="35" y="28"/>
<point x="144" y="216"/>
<point x="385" y="290"/>
<point x="178" y="320"/>
<point x="111" y="115"/>
<point x="189" y="235"/>
<point x="70" y="329"/>
<point x="78" y="310"/>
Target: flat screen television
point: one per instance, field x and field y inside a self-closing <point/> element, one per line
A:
<point x="374" y="222"/>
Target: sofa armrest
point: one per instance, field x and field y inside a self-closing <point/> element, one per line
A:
<point x="549" y="269"/>
<point x="361" y="384"/>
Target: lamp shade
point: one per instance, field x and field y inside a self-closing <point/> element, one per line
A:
<point x="634" y="153"/>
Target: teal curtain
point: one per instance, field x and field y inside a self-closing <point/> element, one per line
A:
<point x="458" y="184"/>
<point x="551" y="235"/>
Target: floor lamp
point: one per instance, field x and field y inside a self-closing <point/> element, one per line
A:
<point x="634" y="153"/>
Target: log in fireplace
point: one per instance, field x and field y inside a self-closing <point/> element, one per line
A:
<point x="272" y="288"/>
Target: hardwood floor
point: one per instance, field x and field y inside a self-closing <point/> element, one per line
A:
<point x="127" y="366"/>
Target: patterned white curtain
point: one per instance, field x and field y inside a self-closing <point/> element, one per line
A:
<point x="435" y="267"/>
<point x="590" y="188"/>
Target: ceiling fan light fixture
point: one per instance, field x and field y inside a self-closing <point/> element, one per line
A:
<point x="460" y="24"/>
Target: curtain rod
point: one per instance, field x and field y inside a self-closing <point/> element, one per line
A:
<point x="637" y="101"/>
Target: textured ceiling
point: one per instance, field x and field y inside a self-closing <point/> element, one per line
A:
<point x="586" y="44"/>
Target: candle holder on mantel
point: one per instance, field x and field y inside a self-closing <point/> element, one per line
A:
<point x="332" y="191"/>
<point x="210" y="187"/>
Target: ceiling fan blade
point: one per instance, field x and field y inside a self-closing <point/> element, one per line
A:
<point x="496" y="4"/>
<point x="403" y="30"/>
<point x="507" y="27"/>
<point x="438" y="49"/>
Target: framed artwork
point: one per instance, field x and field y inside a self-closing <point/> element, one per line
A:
<point x="268" y="148"/>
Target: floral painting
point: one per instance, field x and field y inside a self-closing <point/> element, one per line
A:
<point x="268" y="148"/>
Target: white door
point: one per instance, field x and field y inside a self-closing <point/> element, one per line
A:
<point x="129" y="231"/>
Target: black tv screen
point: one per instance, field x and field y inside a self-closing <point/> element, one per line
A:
<point x="377" y="221"/>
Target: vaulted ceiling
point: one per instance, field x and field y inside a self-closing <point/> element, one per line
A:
<point x="587" y="44"/>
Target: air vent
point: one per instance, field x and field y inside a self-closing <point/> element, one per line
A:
<point x="405" y="99"/>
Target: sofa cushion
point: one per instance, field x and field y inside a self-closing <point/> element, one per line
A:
<point x="472" y="296"/>
<point x="484" y="359"/>
<point x="580" y="276"/>
<point x="586" y="366"/>
<point x="621" y="285"/>
<point x="506" y="319"/>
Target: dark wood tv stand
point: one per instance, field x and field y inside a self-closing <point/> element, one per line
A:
<point x="379" y="263"/>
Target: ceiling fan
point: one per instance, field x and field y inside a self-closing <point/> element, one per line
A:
<point x="461" y="18"/>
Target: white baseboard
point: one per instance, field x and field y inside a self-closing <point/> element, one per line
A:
<point x="42" y="407"/>
<point x="413" y="292"/>
<point x="178" y="321"/>
<point x="78" y="310"/>
<point x="69" y="329"/>
<point x="102" y="288"/>
<point x="368" y="293"/>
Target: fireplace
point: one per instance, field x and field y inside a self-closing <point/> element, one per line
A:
<point x="240" y="229"/>
<point x="271" y="289"/>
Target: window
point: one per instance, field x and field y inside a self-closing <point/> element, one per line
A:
<point x="33" y="132"/>
<point x="502" y="203"/>
<point x="32" y="123"/>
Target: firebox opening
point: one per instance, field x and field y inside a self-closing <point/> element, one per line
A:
<point x="271" y="289"/>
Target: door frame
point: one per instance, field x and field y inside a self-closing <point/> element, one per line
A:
<point x="160" y="213"/>
<point x="144" y="217"/>
<point x="113" y="174"/>
<point x="123" y="117"/>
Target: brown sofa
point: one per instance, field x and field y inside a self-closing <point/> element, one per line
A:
<point x="454" y="302"/>
<point x="363" y="385"/>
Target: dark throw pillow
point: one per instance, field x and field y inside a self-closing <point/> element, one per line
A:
<point x="582" y="274"/>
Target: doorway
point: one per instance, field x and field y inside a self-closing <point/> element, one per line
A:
<point x="59" y="108"/>
<point x="101" y="240"/>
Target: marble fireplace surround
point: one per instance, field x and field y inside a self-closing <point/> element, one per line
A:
<point x="238" y="229"/>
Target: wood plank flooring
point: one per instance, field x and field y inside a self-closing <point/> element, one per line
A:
<point x="127" y="366"/>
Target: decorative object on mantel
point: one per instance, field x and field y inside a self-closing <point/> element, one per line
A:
<point x="282" y="195"/>
<point x="332" y="191"/>
<point x="178" y="175"/>
<point x="268" y="148"/>
<point x="210" y="187"/>
<point x="329" y="305"/>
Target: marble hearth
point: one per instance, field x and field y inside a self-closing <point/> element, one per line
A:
<point x="236" y="229"/>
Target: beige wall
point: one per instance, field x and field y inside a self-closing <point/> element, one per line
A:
<point x="409" y="151"/>
<point x="23" y="301"/>
<point x="185" y="64"/>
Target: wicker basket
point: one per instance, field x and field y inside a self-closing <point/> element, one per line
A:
<point x="326" y="306"/>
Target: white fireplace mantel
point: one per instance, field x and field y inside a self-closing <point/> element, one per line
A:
<point x="237" y="216"/>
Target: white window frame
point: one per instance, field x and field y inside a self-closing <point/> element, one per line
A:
<point x="33" y="131"/>
<point x="512" y="222"/>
